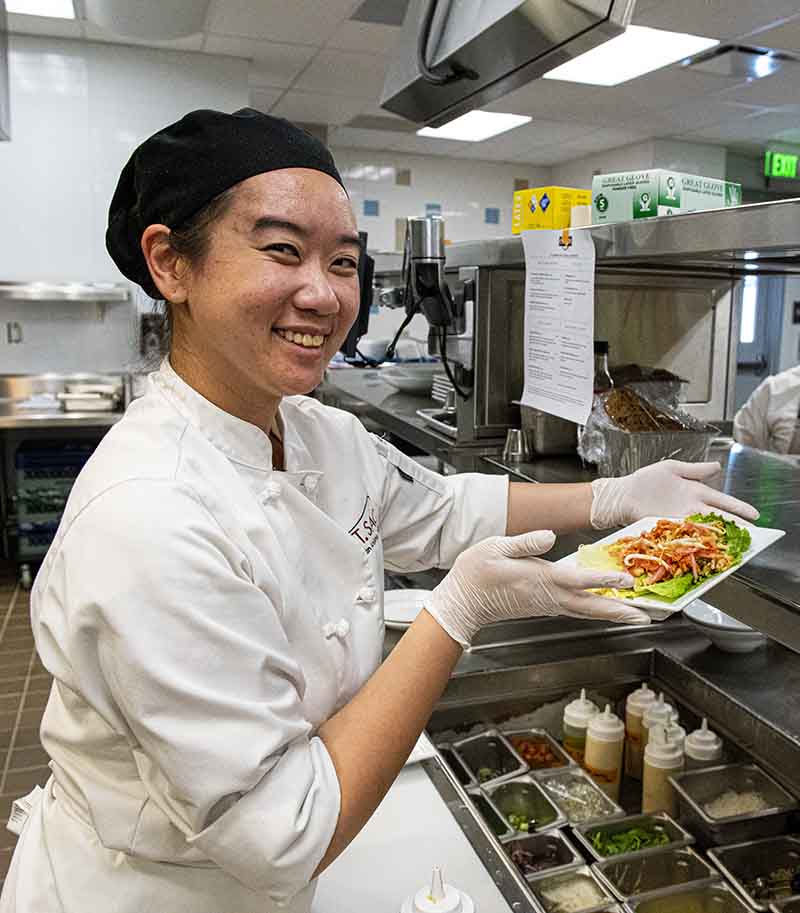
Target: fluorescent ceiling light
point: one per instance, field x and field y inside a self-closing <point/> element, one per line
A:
<point x="636" y="51"/>
<point x="55" y="9"/>
<point x="475" y="126"/>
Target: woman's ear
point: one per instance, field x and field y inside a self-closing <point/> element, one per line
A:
<point x="167" y="267"/>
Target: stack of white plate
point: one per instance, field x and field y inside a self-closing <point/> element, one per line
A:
<point x="401" y="607"/>
<point x="441" y="388"/>
<point x="410" y="378"/>
<point x="725" y="632"/>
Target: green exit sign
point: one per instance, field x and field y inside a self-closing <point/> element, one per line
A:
<point x="781" y="165"/>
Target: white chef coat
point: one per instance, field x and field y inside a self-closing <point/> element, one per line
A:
<point x="202" y="615"/>
<point x="769" y="418"/>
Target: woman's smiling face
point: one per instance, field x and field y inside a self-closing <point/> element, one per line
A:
<point x="275" y="294"/>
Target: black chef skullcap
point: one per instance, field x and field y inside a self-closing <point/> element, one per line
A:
<point x="175" y="172"/>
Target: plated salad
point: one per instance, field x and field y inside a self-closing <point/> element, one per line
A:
<point x="673" y="557"/>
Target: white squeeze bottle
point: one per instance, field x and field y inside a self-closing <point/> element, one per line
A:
<point x="637" y="702"/>
<point x="703" y="748"/>
<point x="605" y="741"/>
<point x="659" y="713"/>
<point x="677" y="734"/>
<point x="576" y="721"/>
<point x="662" y="759"/>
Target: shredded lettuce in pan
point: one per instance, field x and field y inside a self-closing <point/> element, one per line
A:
<point x="735" y="540"/>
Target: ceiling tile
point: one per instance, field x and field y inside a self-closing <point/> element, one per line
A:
<point x="264" y="99"/>
<point x="759" y="128"/>
<point x="273" y="65"/>
<point x="347" y="72"/>
<point x="722" y="19"/>
<point x="695" y="115"/>
<point x="313" y="107"/>
<point x="784" y="37"/>
<point x="299" y="22"/>
<point x="781" y="88"/>
<point x="94" y="33"/>
<point x="43" y="25"/>
<point x="366" y="37"/>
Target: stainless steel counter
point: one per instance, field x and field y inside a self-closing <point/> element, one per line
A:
<point x="765" y="593"/>
<point x="11" y="420"/>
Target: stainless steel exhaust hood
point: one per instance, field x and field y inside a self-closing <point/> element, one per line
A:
<point x="479" y="50"/>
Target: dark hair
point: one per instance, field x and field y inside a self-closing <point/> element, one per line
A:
<point x="191" y="238"/>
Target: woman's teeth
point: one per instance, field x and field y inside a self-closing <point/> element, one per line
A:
<point x="302" y="339"/>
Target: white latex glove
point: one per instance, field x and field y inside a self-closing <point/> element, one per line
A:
<point x="499" y="579"/>
<point x="667" y="489"/>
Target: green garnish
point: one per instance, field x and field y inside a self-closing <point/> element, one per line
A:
<point x="629" y="841"/>
<point x="520" y="822"/>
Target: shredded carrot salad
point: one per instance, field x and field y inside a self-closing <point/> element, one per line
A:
<point x="674" y="548"/>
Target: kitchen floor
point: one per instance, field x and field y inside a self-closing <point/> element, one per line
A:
<point x="24" y="688"/>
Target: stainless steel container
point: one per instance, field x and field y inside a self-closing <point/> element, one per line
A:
<point x="659" y="821"/>
<point x="696" y="788"/>
<point x="456" y="766"/>
<point x="627" y="451"/>
<point x="547" y="888"/>
<point x="489" y="757"/>
<point x="755" y="859"/>
<point x="524" y="796"/>
<point x="561" y="789"/>
<point x="494" y="820"/>
<point x="654" y="873"/>
<point x="715" y="898"/>
<point x="551" y="850"/>
<point x="539" y="735"/>
<point x="549" y="435"/>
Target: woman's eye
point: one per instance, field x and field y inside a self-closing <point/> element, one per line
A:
<point x="288" y="249"/>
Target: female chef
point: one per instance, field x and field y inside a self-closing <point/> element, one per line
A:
<point x="220" y="724"/>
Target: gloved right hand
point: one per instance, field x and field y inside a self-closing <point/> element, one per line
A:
<point x="500" y="579"/>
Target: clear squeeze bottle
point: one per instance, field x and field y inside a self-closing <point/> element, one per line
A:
<point x="605" y="742"/>
<point x="703" y="748"/>
<point x="637" y="702"/>
<point x="659" y="713"/>
<point x="576" y="721"/>
<point x="662" y="759"/>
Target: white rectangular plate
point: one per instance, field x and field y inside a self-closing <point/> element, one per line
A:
<point x="760" y="538"/>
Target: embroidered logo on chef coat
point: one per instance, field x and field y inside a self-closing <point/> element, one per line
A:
<point x="365" y="529"/>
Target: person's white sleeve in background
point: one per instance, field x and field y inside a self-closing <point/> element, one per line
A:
<point x="177" y="649"/>
<point x="428" y="519"/>
<point x="750" y="424"/>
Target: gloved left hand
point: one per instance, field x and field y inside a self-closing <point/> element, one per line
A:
<point x="667" y="489"/>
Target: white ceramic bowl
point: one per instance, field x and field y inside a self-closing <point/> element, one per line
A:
<point x="724" y="632"/>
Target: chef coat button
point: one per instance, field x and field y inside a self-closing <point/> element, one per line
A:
<point x="343" y="628"/>
<point x="368" y="594"/>
<point x="272" y="490"/>
<point x="310" y="483"/>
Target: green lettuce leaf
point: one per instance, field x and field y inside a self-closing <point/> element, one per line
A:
<point x="666" y="589"/>
<point x="736" y="539"/>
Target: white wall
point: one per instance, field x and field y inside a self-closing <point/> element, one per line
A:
<point x="463" y="188"/>
<point x="77" y="112"/>
<point x="691" y="158"/>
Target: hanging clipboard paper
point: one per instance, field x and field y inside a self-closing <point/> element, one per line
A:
<point x="559" y="322"/>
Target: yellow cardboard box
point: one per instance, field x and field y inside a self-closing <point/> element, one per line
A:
<point x="546" y="207"/>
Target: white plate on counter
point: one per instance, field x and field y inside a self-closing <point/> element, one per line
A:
<point x="401" y="607"/>
<point x="410" y="378"/>
<point x="760" y="538"/>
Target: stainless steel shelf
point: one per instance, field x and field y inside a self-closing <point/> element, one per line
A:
<point x="78" y="292"/>
<point x="761" y="238"/>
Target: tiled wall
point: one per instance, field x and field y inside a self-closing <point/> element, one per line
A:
<point x="78" y="110"/>
<point x="460" y="190"/>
